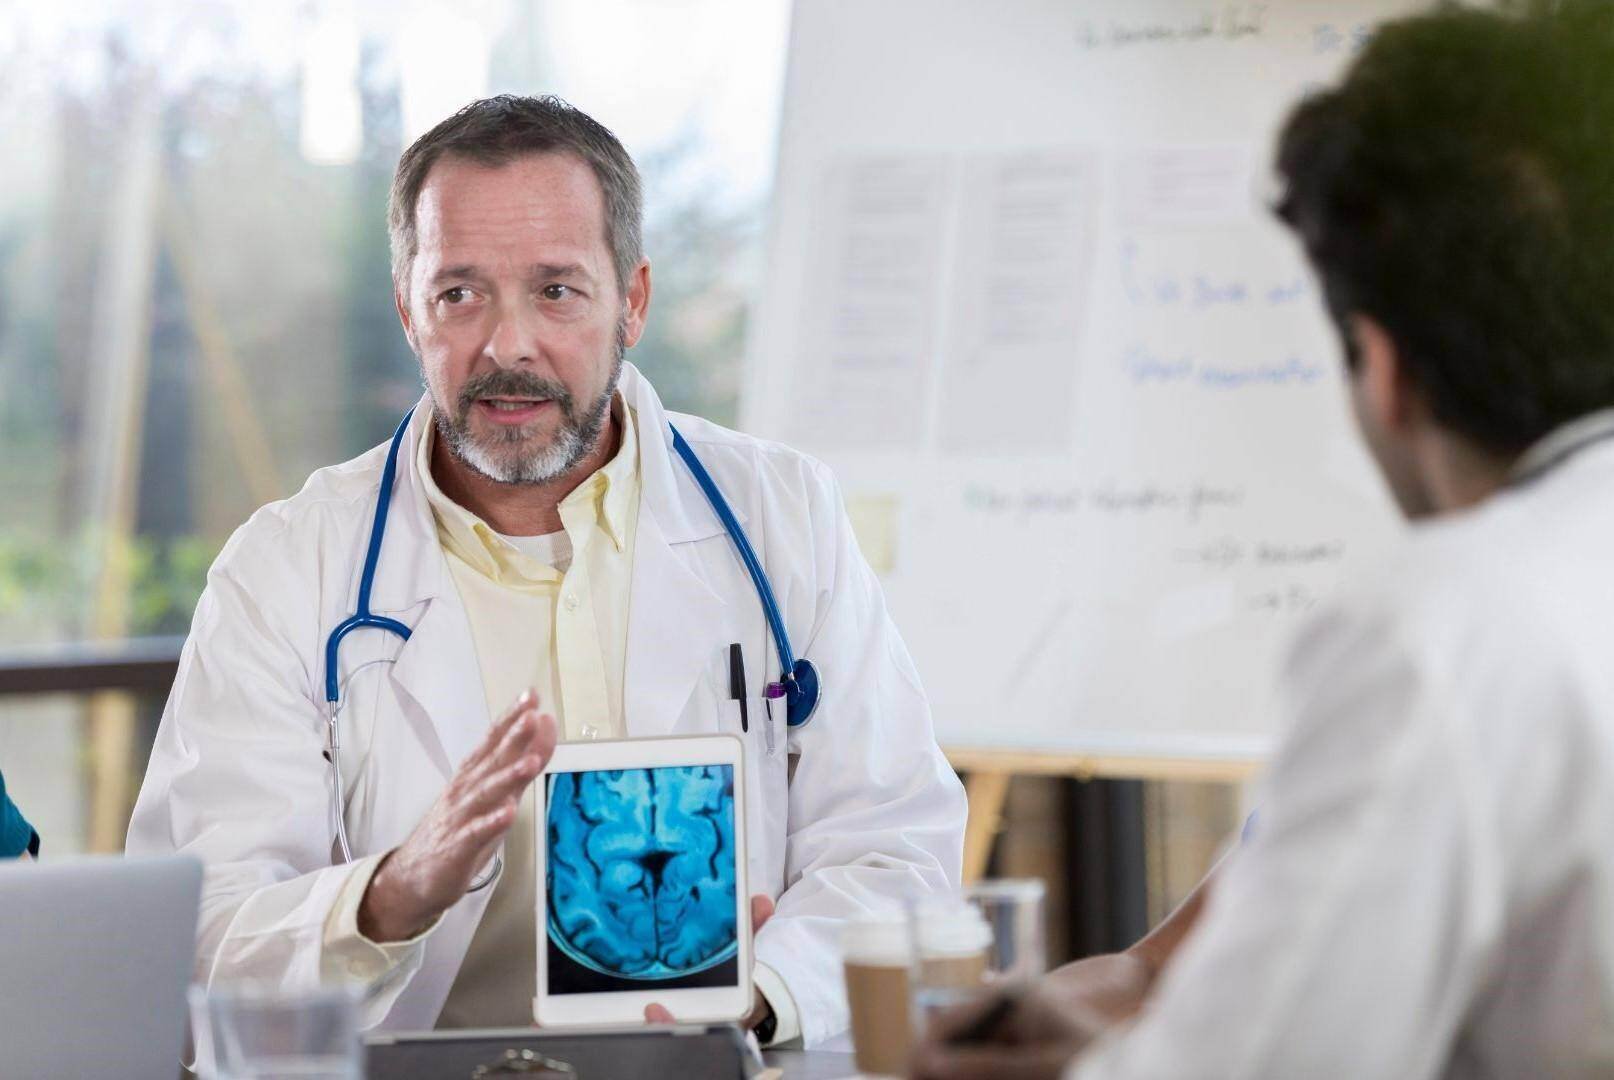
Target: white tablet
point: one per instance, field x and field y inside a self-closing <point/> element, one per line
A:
<point x="641" y="852"/>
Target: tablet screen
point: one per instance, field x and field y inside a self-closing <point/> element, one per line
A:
<point x="640" y="879"/>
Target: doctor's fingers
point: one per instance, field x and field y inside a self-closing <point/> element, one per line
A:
<point x="762" y="908"/>
<point x="483" y="833"/>
<point x="525" y="705"/>
<point x="516" y="741"/>
<point x="505" y="785"/>
<point x="532" y="737"/>
<point x="489" y="757"/>
<point x="545" y="736"/>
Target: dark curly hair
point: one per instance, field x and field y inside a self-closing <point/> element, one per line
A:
<point x="1458" y="188"/>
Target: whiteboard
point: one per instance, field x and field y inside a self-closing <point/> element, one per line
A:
<point x="1024" y="296"/>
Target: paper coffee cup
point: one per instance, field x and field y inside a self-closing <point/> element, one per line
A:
<point x="877" y="956"/>
<point x="953" y="944"/>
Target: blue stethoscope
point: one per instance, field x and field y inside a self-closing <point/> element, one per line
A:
<point x="798" y="679"/>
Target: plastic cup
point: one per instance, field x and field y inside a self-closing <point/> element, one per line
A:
<point x="987" y="939"/>
<point x="255" y="1032"/>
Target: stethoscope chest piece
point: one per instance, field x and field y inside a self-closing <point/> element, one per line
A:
<point x="801" y="693"/>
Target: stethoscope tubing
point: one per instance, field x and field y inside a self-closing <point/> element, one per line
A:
<point x="798" y="679"/>
<point x="362" y="617"/>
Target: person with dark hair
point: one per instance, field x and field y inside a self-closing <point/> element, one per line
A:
<point x="1428" y="889"/>
<point x="17" y="837"/>
<point x="542" y="552"/>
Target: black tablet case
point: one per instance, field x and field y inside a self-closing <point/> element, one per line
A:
<point x="712" y="1053"/>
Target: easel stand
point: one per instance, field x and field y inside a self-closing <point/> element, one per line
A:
<point x="987" y="774"/>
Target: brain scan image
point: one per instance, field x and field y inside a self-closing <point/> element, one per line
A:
<point x="641" y="872"/>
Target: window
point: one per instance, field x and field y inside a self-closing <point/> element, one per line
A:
<point x="195" y="307"/>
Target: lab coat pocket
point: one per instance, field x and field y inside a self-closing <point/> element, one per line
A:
<point x="767" y="780"/>
<point x="753" y="724"/>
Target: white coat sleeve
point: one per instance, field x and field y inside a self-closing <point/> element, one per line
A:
<point x="875" y="811"/>
<point x="237" y="778"/>
<point x="1350" y="929"/>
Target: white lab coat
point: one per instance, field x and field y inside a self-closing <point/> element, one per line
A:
<point x="853" y="811"/>
<point x="1428" y="887"/>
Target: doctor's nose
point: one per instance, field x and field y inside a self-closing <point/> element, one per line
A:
<point x="515" y="338"/>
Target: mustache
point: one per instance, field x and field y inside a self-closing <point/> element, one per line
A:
<point x="522" y="384"/>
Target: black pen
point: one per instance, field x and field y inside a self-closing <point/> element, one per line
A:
<point x="737" y="683"/>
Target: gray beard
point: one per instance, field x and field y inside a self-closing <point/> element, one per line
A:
<point x="500" y="458"/>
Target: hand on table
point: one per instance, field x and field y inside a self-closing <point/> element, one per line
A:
<point x="761" y="912"/>
<point x="1112" y="986"/>
<point x="1036" y="1040"/>
<point x="431" y="870"/>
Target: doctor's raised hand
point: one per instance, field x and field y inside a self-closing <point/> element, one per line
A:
<point x="432" y="869"/>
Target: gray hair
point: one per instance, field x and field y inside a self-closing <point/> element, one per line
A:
<point x="496" y="131"/>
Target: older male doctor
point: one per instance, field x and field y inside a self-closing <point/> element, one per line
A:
<point x="543" y="533"/>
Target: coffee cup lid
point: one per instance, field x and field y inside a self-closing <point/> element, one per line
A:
<point x="957" y="930"/>
<point x="875" y="938"/>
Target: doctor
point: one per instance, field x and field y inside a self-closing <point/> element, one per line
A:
<point x="560" y="574"/>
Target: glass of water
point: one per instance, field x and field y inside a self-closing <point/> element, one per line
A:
<point x="249" y="1031"/>
<point x="986" y="939"/>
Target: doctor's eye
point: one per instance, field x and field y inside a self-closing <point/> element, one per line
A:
<point x="557" y="292"/>
<point x="459" y="294"/>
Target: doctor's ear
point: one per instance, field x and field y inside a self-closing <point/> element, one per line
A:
<point x="636" y="304"/>
<point x="401" y="302"/>
<point x="1379" y="378"/>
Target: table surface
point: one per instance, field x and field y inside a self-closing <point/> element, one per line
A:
<point x="813" y="1064"/>
<point x="797" y="1064"/>
<point x="831" y="1060"/>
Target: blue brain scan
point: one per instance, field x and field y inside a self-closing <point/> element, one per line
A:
<point x="641" y="872"/>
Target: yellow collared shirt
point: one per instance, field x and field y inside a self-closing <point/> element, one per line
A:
<point x="549" y="612"/>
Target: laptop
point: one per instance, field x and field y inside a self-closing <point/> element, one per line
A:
<point x="95" y="956"/>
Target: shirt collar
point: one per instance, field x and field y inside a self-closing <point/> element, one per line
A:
<point x="604" y="498"/>
<point x="1563" y="442"/>
<point x="620" y="476"/>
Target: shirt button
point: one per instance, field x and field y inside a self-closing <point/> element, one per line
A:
<point x="571" y="601"/>
<point x="358" y="967"/>
<point x="590" y="731"/>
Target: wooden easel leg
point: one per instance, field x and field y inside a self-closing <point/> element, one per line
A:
<point x="111" y="730"/>
<point x="986" y="790"/>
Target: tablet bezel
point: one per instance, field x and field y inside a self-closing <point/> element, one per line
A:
<point x="615" y="1008"/>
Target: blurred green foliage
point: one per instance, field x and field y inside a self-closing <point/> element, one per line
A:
<point x="47" y="586"/>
